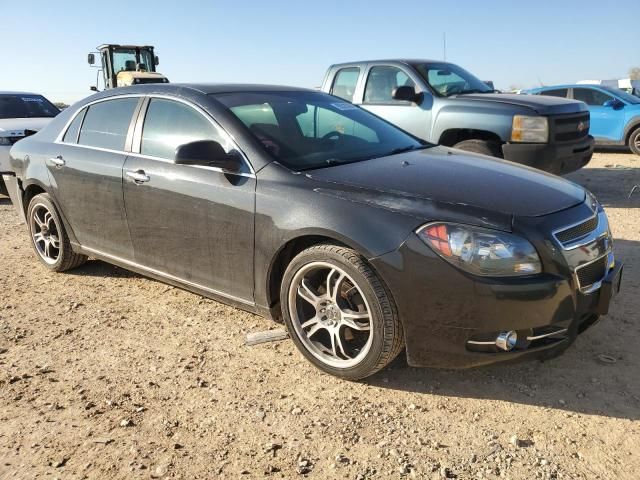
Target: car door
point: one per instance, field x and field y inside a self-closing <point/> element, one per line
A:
<point x="381" y="81"/>
<point x="191" y="223"/>
<point x="85" y="168"/>
<point x="606" y="121"/>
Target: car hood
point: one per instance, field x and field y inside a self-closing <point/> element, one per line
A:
<point x="542" y="105"/>
<point x="15" y="127"/>
<point x="439" y="179"/>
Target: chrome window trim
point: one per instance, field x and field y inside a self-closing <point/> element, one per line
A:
<point x="166" y="275"/>
<point x="203" y="167"/>
<point x="601" y="230"/>
<point x="200" y="110"/>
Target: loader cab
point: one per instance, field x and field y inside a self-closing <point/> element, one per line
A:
<point x="125" y="65"/>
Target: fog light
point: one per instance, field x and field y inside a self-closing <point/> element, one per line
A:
<point x="507" y="340"/>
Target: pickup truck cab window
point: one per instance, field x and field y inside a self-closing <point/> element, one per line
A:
<point x="344" y="83"/>
<point x="382" y="81"/>
<point x="168" y="124"/>
<point x="106" y="123"/>
<point x="448" y="79"/>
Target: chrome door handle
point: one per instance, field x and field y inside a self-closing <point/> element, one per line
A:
<point x="58" y="161"/>
<point x="138" y="176"/>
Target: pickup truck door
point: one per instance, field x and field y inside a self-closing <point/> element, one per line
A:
<point x="607" y="122"/>
<point x="85" y="170"/>
<point x="377" y="97"/>
<point x="190" y="223"/>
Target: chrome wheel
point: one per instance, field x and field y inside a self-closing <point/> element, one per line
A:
<point x="330" y="314"/>
<point x="45" y="233"/>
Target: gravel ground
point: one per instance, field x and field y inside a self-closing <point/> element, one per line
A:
<point x="107" y="374"/>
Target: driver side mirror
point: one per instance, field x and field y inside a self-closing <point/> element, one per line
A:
<point x="91" y="58"/>
<point x="406" y="94"/>
<point x="209" y="154"/>
<point x="613" y="103"/>
<point x="156" y="60"/>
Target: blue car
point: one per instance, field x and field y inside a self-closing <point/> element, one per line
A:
<point x="615" y="114"/>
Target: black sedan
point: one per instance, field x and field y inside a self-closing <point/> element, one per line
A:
<point x="298" y="205"/>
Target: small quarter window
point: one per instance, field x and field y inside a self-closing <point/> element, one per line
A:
<point x="344" y="83"/>
<point x="71" y="135"/>
<point x="106" y="123"/>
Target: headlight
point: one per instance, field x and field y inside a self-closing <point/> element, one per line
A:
<point x="481" y="251"/>
<point x="529" y="129"/>
<point x="5" y="141"/>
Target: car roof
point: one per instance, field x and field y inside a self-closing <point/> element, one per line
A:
<point x="9" y="92"/>
<point x="391" y="60"/>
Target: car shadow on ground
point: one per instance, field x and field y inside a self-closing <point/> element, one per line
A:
<point x="98" y="268"/>
<point x="612" y="185"/>
<point x="598" y="375"/>
<point x="4" y="200"/>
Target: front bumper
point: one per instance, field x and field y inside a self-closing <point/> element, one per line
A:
<point x="442" y="308"/>
<point x="556" y="158"/>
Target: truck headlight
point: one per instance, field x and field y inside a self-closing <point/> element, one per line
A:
<point x="530" y="129"/>
<point x="481" y="251"/>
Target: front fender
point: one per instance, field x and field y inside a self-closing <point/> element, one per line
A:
<point x="493" y="118"/>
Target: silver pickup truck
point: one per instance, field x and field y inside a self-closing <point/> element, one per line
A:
<point x="443" y="103"/>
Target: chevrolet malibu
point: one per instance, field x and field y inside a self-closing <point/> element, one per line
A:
<point x="295" y="204"/>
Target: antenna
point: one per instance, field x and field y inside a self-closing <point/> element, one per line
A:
<point x="444" y="46"/>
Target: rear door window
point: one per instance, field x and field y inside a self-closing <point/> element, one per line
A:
<point x="591" y="96"/>
<point x="560" y="92"/>
<point x="381" y="83"/>
<point x="106" y="123"/>
<point x="344" y="83"/>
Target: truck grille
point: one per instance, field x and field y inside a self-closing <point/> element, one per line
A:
<point x="592" y="272"/>
<point x="570" y="127"/>
<point x="573" y="233"/>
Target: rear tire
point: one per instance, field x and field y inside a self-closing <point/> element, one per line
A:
<point x="48" y="236"/>
<point x="634" y="141"/>
<point x="483" y="147"/>
<point x="338" y="312"/>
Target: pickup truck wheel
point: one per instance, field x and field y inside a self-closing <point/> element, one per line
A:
<point x="483" y="147"/>
<point x="634" y="141"/>
<point x="338" y="312"/>
<point x="48" y="236"/>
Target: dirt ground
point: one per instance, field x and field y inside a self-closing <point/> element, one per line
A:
<point x="105" y="374"/>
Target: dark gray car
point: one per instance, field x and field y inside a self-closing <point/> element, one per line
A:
<point x="296" y="204"/>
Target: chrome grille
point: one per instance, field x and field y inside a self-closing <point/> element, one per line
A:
<point x="592" y="272"/>
<point x="571" y="234"/>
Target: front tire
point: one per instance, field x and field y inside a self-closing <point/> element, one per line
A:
<point x="483" y="147"/>
<point x="634" y="141"/>
<point x="339" y="313"/>
<point x="48" y="236"/>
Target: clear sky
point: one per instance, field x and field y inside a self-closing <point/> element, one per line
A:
<point x="514" y="43"/>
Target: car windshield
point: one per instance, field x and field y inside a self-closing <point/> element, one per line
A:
<point x="307" y="130"/>
<point x="622" y="95"/>
<point x="127" y="59"/>
<point x="448" y="79"/>
<point x="26" y="106"/>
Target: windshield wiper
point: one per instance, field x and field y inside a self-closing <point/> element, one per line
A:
<point x="477" y="90"/>
<point x="408" y="148"/>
